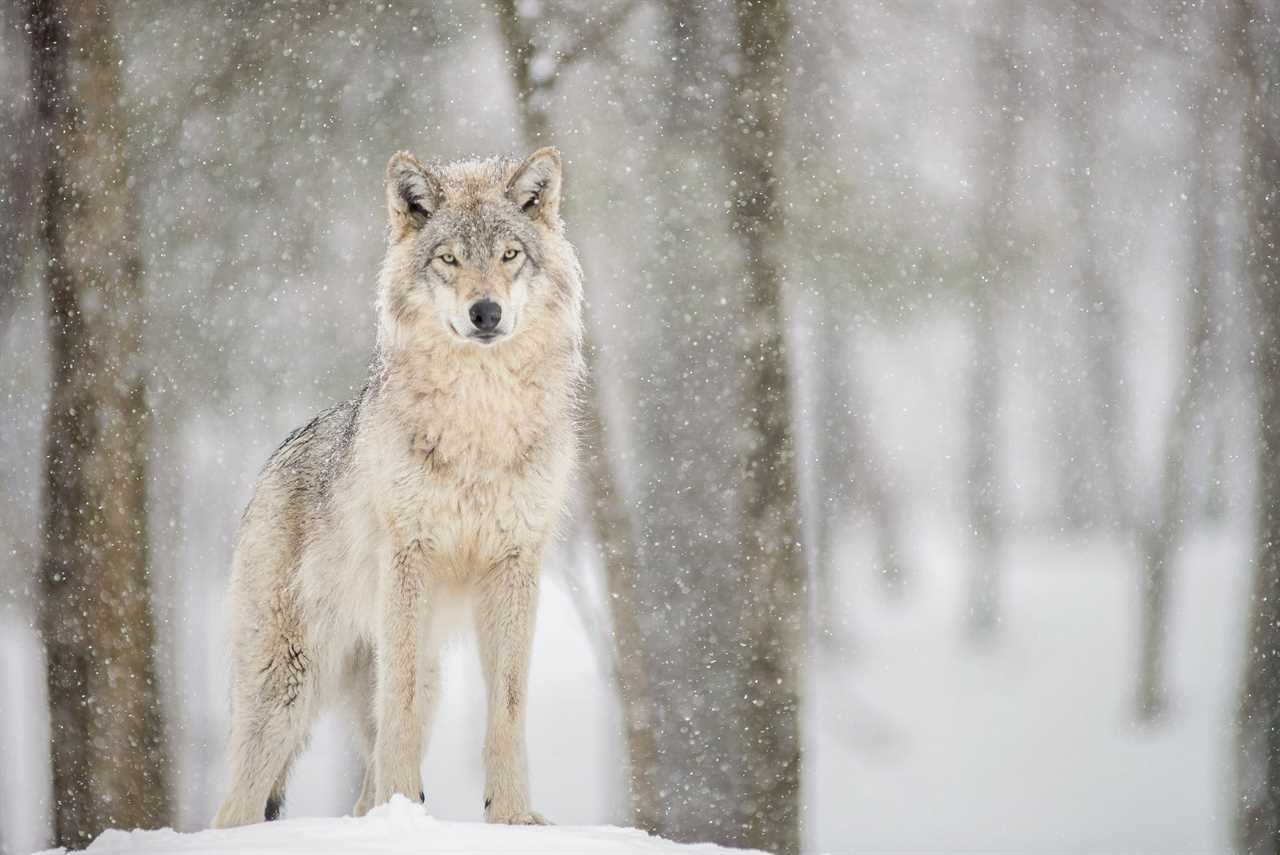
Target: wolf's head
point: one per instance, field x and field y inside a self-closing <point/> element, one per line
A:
<point x="476" y="251"/>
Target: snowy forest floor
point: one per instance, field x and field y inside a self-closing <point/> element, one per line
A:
<point x="918" y="740"/>
<point x="400" y="826"/>
<point x="922" y="740"/>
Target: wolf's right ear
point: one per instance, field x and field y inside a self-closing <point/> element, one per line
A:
<point x="413" y="194"/>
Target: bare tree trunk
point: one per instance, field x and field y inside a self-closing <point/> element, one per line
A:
<point x="772" y="628"/>
<point x="686" y="469"/>
<point x="982" y="481"/>
<point x="615" y="533"/>
<point x="107" y="737"/>
<point x="534" y="121"/>
<point x="1094" y="467"/>
<point x="1256" y="43"/>
<point x="835" y="484"/>
<point x="981" y="477"/>
<point x="1161" y="529"/>
<point x="611" y="521"/>
<point x="849" y="478"/>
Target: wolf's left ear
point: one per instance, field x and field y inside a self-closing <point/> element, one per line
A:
<point x="535" y="187"/>
<point x="413" y="194"/>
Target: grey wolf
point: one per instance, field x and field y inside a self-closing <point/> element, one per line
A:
<point x="432" y="495"/>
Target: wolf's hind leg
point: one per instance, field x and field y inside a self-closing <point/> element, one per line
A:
<point x="273" y="704"/>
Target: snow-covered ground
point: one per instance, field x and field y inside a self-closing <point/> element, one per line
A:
<point x="918" y="741"/>
<point x="921" y="741"/>
<point x="400" y="826"/>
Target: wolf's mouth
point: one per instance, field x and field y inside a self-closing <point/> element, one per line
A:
<point x="479" y="336"/>
<point x="483" y="337"/>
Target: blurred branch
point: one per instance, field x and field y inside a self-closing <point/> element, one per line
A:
<point x="858" y="724"/>
<point x="518" y="35"/>
<point x="604" y="27"/>
<point x="18" y="192"/>
<point x="1126" y="26"/>
<point x="249" y="52"/>
<point x="987" y="32"/>
<point x="593" y="619"/>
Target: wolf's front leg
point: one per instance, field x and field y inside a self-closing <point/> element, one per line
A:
<point x="397" y="753"/>
<point x="508" y="599"/>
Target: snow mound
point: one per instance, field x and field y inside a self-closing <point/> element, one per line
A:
<point x="398" y="826"/>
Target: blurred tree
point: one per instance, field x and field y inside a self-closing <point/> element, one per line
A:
<point x="718" y="631"/>
<point x="845" y="279"/>
<point x="1092" y="405"/>
<point x="999" y="70"/>
<point x="686" y="403"/>
<point x="1161" y="527"/>
<point x="108" y="751"/>
<point x="610" y="516"/>
<point x="1255" y="46"/>
<point x="771" y="630"/>
<point x="18" y="175"/>
<point x="849" y="477"/>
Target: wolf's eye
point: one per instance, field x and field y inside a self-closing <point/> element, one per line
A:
<point x="510" y="255"/>
<point x="448" y="258"/>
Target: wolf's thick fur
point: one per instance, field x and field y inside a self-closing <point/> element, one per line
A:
<point x="438" y="485"/>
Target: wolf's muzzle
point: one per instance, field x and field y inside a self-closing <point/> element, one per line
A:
<point x="485" y="316"/>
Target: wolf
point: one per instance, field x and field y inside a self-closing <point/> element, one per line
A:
<point x="431" y="495"/>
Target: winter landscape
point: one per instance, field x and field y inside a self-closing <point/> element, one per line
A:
<point x="927" y="497"/>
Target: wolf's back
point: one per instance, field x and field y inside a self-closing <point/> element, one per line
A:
<point x="312" y="456"/>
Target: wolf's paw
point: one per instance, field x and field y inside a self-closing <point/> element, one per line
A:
<point x="519" y="818"/>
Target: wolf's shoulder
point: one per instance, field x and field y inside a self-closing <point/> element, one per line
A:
<point x="317" y="443"/>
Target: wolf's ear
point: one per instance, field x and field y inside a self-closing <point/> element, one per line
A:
<point x="413" y="194"/>
<point x="535" y="187"/>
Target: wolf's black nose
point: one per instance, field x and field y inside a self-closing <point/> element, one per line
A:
<point x="485" y="315"/>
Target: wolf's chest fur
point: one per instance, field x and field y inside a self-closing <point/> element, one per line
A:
<point x="473" y="459"/>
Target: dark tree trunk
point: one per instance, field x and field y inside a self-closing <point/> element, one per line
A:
<point x="107" y="737"/>
<point x="771" y="631"/>
<point x="1256" y="44"/>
